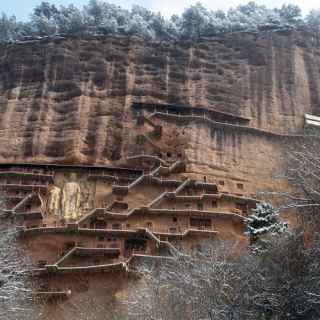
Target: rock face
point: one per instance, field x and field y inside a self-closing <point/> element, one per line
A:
<point x="70" y="101"/>
<point x="135" y="149"/>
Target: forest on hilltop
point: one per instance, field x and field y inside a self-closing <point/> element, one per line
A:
<point x="101" y="18"/>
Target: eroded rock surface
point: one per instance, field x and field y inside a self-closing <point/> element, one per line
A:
<point x="70" y="101"/>
<point x="87" y="102"/>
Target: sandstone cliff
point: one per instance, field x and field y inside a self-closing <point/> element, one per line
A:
<point x="70" y="101"/>
<point x="73" y="102"/>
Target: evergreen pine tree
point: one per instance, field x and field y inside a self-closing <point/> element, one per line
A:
<point x="264" y="221"/>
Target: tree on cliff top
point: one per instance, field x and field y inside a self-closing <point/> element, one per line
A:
<point x="44" y="18"/>
<point x="313" y="19"/>
<point x="195" y="22"/>
<point x="290" y="13"/>
<point x="8" y="27"/>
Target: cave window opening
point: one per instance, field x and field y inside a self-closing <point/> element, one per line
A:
<point x="100" y="224"/>
<point x="200" y="206"/>
<point x="242" y="207"/>
<point x="205" y="179"/>
<point x="114" y="244"/>
<point x="200" y="223"/>
<point x="240" y="186"/>
<point x="135" y="244"/>
<point x="70" y="245"/>
<point x="214" y="204"/>
<point x="175" y="219"/>
<point x="221" y="182"/>
<point x="173" y="230"/>
<point x="169" y="154"/>
<point x="163" y="238"/>
<point x="139" y="140"/>
<point x="42" y="263"/>
<point x="116" y="226"/>
<point x="120" y="206"/>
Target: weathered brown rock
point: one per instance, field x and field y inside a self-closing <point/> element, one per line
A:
<point x="223" y="110"/>
<point x="70" y="101"/>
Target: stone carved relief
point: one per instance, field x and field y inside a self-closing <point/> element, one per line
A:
<point x="54" y="201"/>
<point x="71" y="200"/>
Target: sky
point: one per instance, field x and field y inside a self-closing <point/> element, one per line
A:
<point x="22" y="8"/>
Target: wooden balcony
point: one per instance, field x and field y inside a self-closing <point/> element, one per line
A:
<point x="52" y="295"/>
<point x="32" y="215"/>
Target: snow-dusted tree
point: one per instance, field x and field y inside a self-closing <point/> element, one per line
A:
<point x="146" y="14"/>
<point x="219" y="23"/>
<point x="264" y="220"/>
<point x="202" y="285"/>
<point x="281" y="283"/>
<point x="8" y="28"/>
<point x="290" y="13"/>
<point x="45" y="9"/>
<point x="313" y="19"/>
<point x="238" y="21"/>
<point x="15" y="293"/>
<point x="259" y="15"/>
<point x="71" y="20"/>
<point x="303" y="173"/>
<point x="163" y="28"/>
<point x="43" y="19"/>
<point x="104" y="16"/>
<point x="140" y="23"/>
<point x="95" y="10"/>
<point x="148" y="24"/>
<point x="175" y="25"/>
<point x="195" y="21"/>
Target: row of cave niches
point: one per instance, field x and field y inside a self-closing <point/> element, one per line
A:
<point x="148" y="113"/>
<point x="180" y="110"/>
<point x="14" y="191"/>
<point x="16" y="183"/>
<point x="13" y="194"/>
<point x="167" y="156"/>
<point x="12" y="198"/>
